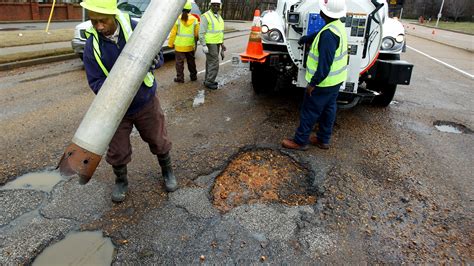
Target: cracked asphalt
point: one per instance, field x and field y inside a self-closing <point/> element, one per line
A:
<point x="392" y="188"/>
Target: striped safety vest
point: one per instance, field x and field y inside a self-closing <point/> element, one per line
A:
<point x="124" y="20"/>
<point x="215" y="28"/>
<point x="338" y="70"/>
<point x="185" y="34"/>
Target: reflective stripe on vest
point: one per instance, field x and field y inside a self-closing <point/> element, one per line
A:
<point x="185" y="34"/>
<point x="124" y="20"/>
<point x="215" y="28"/>
<point x="338" y="71"/>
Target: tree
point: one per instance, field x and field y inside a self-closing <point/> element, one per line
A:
<point x="457" y="8"/>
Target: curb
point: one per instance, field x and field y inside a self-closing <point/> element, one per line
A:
<point x="432" y="27"/>
<point x="436" y="41"/>
<point x="425" y="37"/>
<point x="37" y="61"/>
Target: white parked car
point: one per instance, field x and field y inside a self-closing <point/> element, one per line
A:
<point x="135" y="8"/>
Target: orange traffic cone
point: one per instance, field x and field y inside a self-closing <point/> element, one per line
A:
<point x="254" y="52"/>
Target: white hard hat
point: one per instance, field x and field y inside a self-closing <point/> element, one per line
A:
<point x="216" y="2"/>
<point x="333" y="8"/>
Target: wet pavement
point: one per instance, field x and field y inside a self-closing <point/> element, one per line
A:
<point x="392" y="188"/>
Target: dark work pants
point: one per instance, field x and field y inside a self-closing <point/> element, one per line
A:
<point x="150" y="123"/>
<point x="320" y="107"/>
<point x="212" y="64"/>
<point x="189" y="57"/>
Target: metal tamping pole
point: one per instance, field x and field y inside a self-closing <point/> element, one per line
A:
<point x="109" y="106"/>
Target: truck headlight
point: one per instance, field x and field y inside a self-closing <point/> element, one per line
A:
<point x="275" y="35"/>
<point x="271" y="35"/>
<point x="387" y="43"/>
<point x="400" y="38"/>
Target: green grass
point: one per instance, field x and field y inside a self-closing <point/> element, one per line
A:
<point x="26" y="37"/>
<point x="466" y="27"/>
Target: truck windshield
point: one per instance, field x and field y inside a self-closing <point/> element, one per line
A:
<point x="135" y="8"/>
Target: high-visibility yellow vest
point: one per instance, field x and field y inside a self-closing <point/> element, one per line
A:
<point x="185" y="33"/>
<point x="215" y="28"/>
<point x="126" y="26"/>
<point x="338" y="70"/>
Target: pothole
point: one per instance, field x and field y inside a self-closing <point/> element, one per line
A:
<point x="451" y="127"/>
<point x="44" y="181"/>
<point x="78" y="248"/>
<point x="262" y="176"/>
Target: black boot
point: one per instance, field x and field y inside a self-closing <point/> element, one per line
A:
<point x="171" y="183"/>
<point x="121" y="183"/>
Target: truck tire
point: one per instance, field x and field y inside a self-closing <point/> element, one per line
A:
<point x="387" y="92"/>
<point x="263" y="79"/>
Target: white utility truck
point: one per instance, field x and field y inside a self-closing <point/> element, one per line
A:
<point x="374" y="67"/>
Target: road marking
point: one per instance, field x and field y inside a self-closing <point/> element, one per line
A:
<point x="223" y="63"/>
<point x="443" y="63"/>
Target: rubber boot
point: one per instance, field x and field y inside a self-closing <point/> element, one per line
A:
<point x="121" y="183"/>
<point x="171" y="183"/>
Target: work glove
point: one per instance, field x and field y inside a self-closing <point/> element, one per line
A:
<point x="222" y="54"/>
<point x="303" y="40"/>
<point x="223" y="49"/>
<point x="205" y="49"/>
<point x="309" y="90"/>
<point x="157" y="61"/>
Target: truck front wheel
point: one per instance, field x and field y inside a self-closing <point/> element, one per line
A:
<point x="263" y="78"/>
<point x="387" y="92"/>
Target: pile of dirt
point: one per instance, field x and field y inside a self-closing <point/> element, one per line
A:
<point x="262" y="176"/>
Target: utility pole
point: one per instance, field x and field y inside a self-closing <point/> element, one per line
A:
<point x="439" y="14"/>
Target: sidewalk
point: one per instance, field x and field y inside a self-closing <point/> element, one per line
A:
<point x="455" y="39"/>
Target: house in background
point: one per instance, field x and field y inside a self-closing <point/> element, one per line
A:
<point x="39" y="10"/>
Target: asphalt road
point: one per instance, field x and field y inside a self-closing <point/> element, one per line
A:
<point x="392" y="189"/>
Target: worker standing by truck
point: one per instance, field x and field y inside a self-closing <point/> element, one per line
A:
<point x="183" y="38"/>
<point x="106" y="39"/>
<point x="211" y="37"/>
<point x="326" y="70"/>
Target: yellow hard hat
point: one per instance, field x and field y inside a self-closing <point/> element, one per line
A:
<point x="101" y="6"/>
<point x="188" y="5"/>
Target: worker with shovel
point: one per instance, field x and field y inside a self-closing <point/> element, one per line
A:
<point x="106" y="39"/>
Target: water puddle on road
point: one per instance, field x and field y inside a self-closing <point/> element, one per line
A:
<point x="231" y="76"/>
<point x="262" y="176"/>
<point x="451" y="127"/>
<point x="448" y="129"/>
<point x="199" y="99"/>
<point x="78" y="248"/>
<point x="44" y="181"/>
